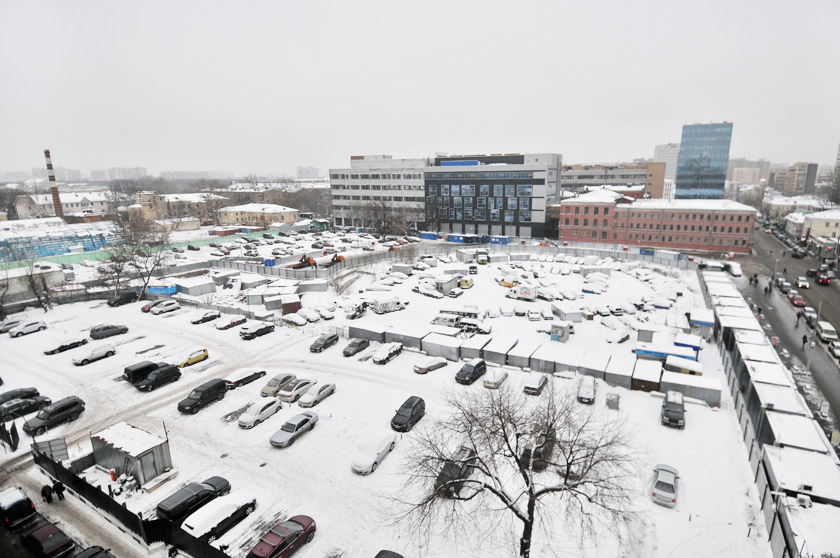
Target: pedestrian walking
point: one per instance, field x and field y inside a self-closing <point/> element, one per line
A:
<point x="804" y="341"/>
<point x="58" y="488"/>
<point x="798" y="317"/>
<point x="46" y="493"/>
<point x="784" y="271"/>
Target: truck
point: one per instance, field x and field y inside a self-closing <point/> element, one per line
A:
<point x="523" y="292"/>
<point x="385" y="305"/>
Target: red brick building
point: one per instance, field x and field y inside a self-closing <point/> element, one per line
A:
<point x="688" y="225"/>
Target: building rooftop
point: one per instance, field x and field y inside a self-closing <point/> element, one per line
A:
<point x="192" y="198"/>
<point x="701" y="205"/>
<point x="128" y="439"/>
<point x="258" y="208"/>
<point x="829" y="214"/>
<point x="70" y="197"/>
<point x="595" y="196"/>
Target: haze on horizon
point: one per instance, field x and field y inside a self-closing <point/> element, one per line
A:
<point x="265" y="86"/>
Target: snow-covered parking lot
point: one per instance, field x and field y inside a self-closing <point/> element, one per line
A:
<point x="716" y="514"/>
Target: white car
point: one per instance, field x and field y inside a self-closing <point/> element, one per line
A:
<point x="293" y="391"/>
<point x="215" y="518"/>
<point x="371" y="454"/>
<point x="309" y="314"/>
<point x="315" y="395"/>
<point x="26" y="328"/>
<point x="165" y="306"/>
<point x="430" y="363"/>
<point x="495" y="378"/>
<point x="387" y="352"/>
<point x="96" y="352"/>
<point x="324" y="313"/>
<point x="294" y="319"/>
<point x="665" y="485"/>
<point x="455" y="293"/>
<point x="506" y="311"/>
<point x="534" y="315"/>
<point x="258" y="412"/>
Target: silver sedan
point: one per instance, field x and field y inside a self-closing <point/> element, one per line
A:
<point x="258" y="412"/>
<point x="372" y="453"/>
<point x="294" y="428"/>
<point x="315" y="395"/>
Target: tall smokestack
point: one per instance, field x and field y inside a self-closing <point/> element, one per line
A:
<point x="59" y="211"/>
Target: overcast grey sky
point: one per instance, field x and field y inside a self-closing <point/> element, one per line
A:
<point x="259" y="87"/>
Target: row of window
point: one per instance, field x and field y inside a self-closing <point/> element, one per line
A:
<point x="377" y="187"/>
<point x="480" y="203"/>
<point x="499" y="190"/>
<point x="453" y="214"/>
<point x="694" y="228"/>
<point x="391" y="176"/>
<point x="380" y="198"/>
<point x="479" y="175"/>
<point x="595" y="210"/>
<point x="602" y="235"/>
<point x="658" y="215"/>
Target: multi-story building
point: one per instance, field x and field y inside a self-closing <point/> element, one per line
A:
<point x="775" y="206"/>
<point x="309" y="173"/>
<point x="30" y="206"/>
<point x="580" y="178"/>
<point x="690" y="225"/>
<point x="119" y="173"/>
<point x="837" y="162"/>
<point x="202" y="206"/>
<point x="797" y="179"/>
<point x="745" y="175"/>
<point x="736" y="163"/>
<point x="197" y="175"/>
<point x="703" y="161"/>
<point x="492" y="194"/>
<point x="668" y="153"/>
<point x="61" y="174"/>
<point x="375" y="179"/>
<point x="822" y="224"/>
<point x="257" y="214"/>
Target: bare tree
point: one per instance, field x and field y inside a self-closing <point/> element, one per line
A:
<point x="4" y="288"/>
<point x="117" y="266"/>
<point x="37" y="284"/>
<point x="521" y="455"/>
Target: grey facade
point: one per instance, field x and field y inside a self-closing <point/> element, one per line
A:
<point x="703" y="161"/>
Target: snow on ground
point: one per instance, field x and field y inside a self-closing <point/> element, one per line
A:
<point x="717" y="504"/>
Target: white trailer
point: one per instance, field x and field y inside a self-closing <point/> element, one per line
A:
<point x="385" y="305"/>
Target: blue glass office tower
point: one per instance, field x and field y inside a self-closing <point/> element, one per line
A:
<point x="701" y="165"/>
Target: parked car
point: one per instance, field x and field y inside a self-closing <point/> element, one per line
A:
<point x="254" y="330"/>
<point x="122" y="298"/>
<point x="409" y="414"/>
<point x="285" y="538"/>
<point x="294" y="428"/>
<point x="25" y="328"/>
<point x="45" y="540"/>
<point x="108" y="330"/>
<point x="182" y="503"/>
<point x="587" y="388"/>
<point x="195" y="357"/>
<point x="798" y="301"/>
<point x="455" y="472"/>
<point x="231" y="322"/>
<point x="430" y="293"/>
<point x="242" y="377"/>
<point x="258" y="412"/>
<point x="495" y="379"/>
<point x="207" y="317"/>
<point x="162" y="375"/>
<point x="833" y="348"/>
<point x="193" y="248"/>
<point x="826" y="332"/>
<point x="535" y="384"/>
<point x="323" y="342"/>
<point x="165" y="306"/>
<point x="95" y="552"/>
<point x="355" y="346"/>
<point x="430" y="363"/>
<point x="665" y="484"/>
<point x="276" y="383"/>
<point x="63" y="410"/>
<point x="293" y="391"/>
<point x="372" y="452"/>
<point x="66" y="345"/>
<point x="15" y="507"/>
<point x="673" y="410"/>
<point x="537" y="447"/>
<point x="387" y="352"/>
<point x="18" y="394"/>
<point x="455" y="293"/>
<point x="534" y="315"/>
<point x="316" y="394"/>
<point x="802" y="283"/>
<point x="219" y="516"/>
<point x="471" y="371"/>
<point x="203" y="395"/>
<point x="6" y="326"/>
<point x="785" y="287"/>
<point x="17" y="408"/>
<point x="95" y="353"/>
<point x="149" y="305"/>
<point x="810" y="316"/>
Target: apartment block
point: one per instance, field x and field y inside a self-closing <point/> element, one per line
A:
<point x="580" y="178"/>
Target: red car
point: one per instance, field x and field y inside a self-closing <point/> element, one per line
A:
<point x="45" y="540"/>
<point x="284" y="539"/>
<point x="148" y="307"/>
<point x="798" y="301"/>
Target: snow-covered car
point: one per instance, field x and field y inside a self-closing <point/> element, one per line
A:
<point x="316" y="394"/>
<point x="9" y="324"/>
<point x="534" y="315"/>
<point x="506" y="310"/>
<point x="294" y="390"/>
<point x="519" y="310"/>
<point x="277" y="383"/>
<point x="258" y="412"/>
<point x="195" y="356"/>
<point x="207" y="317"/>
<point x="309" y="314"/>
<point x="665" y="484"/>
<point x="387" y="352"/>
<point x="430" y="293"/>
<point x="372" y="452"/>
<point x="430" y="363"/>
<point x="294" y="319"/>
<point x="241" y="377"/>
<point x="455" y="293"/>
<point x="294" y="428"/>
<point x="97" y="352"/>
<point x="166" y="306"/>
<point x="535" y="384"/>
<point x="255" y="329"/>
<point x="324" y="313"/>
<point x="232" y="322"/>
<point x="252" y="254"/>
<point x="495" y="378"/>
<point x="66" y="345"/>
<point x="25" y="328"/>
<point x="218" y="516"/>
<point x="355" y="346"/>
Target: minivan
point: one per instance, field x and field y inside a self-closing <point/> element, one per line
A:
<point x="471" y="371"/>
<point x="191" y="497"/>
<point x="67" y="409"/>
<point x="826" y="332"/>
<point x="219" y="516"/>
<point x="161" y="375"/>
<point x="15" y="507"/>
<point x="447" y="320"/>
<point x="138" y="372"/>
<point x="586" y="390"/>
<point x="203" y="395"/>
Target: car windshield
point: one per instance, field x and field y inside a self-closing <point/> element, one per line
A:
<point x="291" y="526"/>
<point x="153" y="375"/>
<point x="289" y="427"/>
<point x="43" y="414"/>
<point x="195" y="395"/>
<point x="274" y="382"/>
<point x="404" y="411"/>
<point x="664" y="486"/>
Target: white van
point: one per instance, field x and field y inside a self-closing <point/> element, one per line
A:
<point x="826" y="332"/>
<point x="214" y="519"/>
<point x="448" y="320"/>
<point x="586" y="390"/>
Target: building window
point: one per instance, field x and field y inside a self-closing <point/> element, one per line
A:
<point x="595" y="210"/>
<point x="484" y="190"/>
<point x="511" y="203"/>
<point x="444" y="189"/>
<point x="586" y="222"/>
<point x="576" y="222"/>
<point x="574" y="233"/>
<point x="509" y="214"/>
<point x="566" y="221"/>
<point x="586" y="210"/>
<point x="495" y="215"/>
<point x="432" y="189"/>
<point x="577" y="210"/>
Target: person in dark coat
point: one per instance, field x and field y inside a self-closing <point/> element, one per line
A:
<point x="46" y="493"/>
<point x="58" y="488"/>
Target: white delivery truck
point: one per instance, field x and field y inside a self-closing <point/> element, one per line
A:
<point x="385" y="305"/>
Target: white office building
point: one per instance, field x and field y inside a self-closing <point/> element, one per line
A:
<point x="668" y="153"/>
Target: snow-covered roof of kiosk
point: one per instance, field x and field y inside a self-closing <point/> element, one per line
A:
<point x="128" y="439"/>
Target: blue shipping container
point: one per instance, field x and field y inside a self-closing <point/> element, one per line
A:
<point x="428" y="235"/>
<point x="499" y="240"/>
<point x="168" y="291"/>
<point x="269" y="262"/>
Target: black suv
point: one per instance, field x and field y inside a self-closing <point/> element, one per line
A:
<point x="455" y="471"/>
<point x="471" y="371"/>
<point x="323" y="342"/>
<point x="407" y="416"/>
<point x="178" y="506"/>
<point x="673" y="410"/>
<point x="164" y="374"/>
<point x="103" y="331"/>
<point x="15" y="507"/>
<point x="17" y="408"/>
<point x="123" y="298"/>
<point x="355" y="346"/>
<point x="66" y="409"/>
<point x="203" y="395"/>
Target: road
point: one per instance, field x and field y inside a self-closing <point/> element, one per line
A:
<point x="823" y="383"/>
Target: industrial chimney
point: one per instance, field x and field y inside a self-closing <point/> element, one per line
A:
<point x="59" y="211"/>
